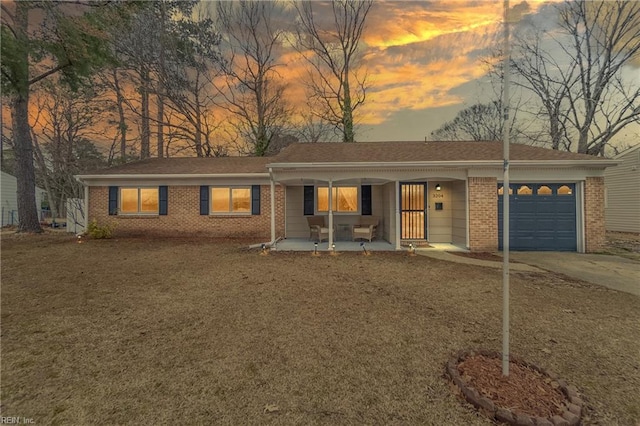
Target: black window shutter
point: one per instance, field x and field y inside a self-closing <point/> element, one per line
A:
<point x="309" y="207"/>
<point x="204" y="200"/>
<point x="365" y="194"/>
<point x="163" y="195"/>
<point x="113" y="200"/>
<point x="255" y="199"/>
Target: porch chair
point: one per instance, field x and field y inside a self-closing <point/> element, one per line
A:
<point x="365" y="229"/>
<point x="317" y="230"/>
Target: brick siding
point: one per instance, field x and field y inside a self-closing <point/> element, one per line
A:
<point x="183" y="216"/>
<point x="483" y="214"/>
<point x="594" y="214"/>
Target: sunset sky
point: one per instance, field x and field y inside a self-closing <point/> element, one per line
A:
<point x="425" y="61"/>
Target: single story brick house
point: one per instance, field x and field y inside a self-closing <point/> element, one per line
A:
<point x="447" y="192"/>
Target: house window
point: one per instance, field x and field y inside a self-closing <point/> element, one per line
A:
<point x="139" y="200"/>
<point x="344" y="199"/>
<point x="524" y="190"/>
<point x="231" y="200"/>
<point x="501" y="190"/>
<point x="544" y="190"/>
<point x="564" y="190"/>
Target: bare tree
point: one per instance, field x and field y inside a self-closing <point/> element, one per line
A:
<point x="252" y="89"/>
<point x="314" y="129"/>
<point x="63" y="128"/>
<point x="188" y="81"/>
<point x="337" y="80"/>
<point x="65" y="42"/>
<point x="579" y="79"/>
<point x="479" y="122"/>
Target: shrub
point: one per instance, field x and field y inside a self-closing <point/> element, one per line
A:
<point x="99" y="231"/>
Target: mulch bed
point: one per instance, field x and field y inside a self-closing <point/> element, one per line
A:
<point x="523" y="391"/>
<point x="528" y="396"/>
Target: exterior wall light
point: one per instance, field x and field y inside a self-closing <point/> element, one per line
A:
<point x="438" y="187"/>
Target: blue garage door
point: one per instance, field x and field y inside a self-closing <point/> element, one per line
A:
<point x="542" y="217"/>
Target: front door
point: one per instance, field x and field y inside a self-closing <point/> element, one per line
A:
<point x="413" y="216"/>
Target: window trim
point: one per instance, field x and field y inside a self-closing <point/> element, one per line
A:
<point x="337" y="187"/>
<point x="230" y="212"/>
<point x="139" y="212"/>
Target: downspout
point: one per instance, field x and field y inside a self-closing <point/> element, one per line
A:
<point x="330" y="213"/>
<point x="397" y="211"/>
<point x="580" y="200"/>
<point x="273" y="206"/>
<point x="86" y="207"/>
<point x="466" y="208"/>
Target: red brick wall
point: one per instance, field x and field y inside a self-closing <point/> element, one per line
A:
<point x="483" y="214"/>
<point x="594" y="214"/>
<point x="184" y="219"/>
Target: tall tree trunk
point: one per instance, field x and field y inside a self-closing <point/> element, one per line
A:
<point x="145" y="132"/>
<point x="122" y="123"/>
<point x="347" y="112"/>
<point x="25" y="173"/>
<point x="160" y="92"/>
<point x="160" y="103"/>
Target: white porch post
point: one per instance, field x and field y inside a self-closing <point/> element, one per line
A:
<point x="86" y="206"/>
<point x="273" y="208"/>
<point x="397" y="211"/>
<point x="466" y="209"/>
<point x="330" y="213"/>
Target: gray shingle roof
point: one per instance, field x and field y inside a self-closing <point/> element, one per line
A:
<point x="342" y="152"/>
<point x="416" y="151"/>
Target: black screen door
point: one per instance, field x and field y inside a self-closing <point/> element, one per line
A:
<point x="413" y="217"/>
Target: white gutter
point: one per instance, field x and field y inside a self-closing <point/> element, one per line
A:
<point x="273" y="205"/>
<point x="444" y="164"/>
<point x="171" y="176"/>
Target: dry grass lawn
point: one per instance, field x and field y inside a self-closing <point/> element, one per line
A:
<point x="135" y="331"/>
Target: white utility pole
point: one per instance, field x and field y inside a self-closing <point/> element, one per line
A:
<point x="505" y="196"/>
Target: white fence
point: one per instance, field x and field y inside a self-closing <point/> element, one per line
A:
<point x="76" y="218"/>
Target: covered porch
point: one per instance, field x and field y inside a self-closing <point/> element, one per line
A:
<point x="302" y="244"/>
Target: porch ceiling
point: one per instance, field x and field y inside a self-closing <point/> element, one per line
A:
<point x="365" y="177"/>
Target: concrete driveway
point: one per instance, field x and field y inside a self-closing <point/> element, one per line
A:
<point x="610" y="271"/>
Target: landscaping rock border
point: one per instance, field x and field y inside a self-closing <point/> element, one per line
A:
<point x="571" y="414"/>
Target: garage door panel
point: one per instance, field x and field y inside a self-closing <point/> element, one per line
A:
<point x="541" y="222"/>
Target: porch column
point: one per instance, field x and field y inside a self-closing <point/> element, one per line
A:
<point x="85" y="212"/>
<point x="466" y="209"/>
<point x="397" y="211"/>
<point x="330" y="214"/>
<point x="273" y="209"/>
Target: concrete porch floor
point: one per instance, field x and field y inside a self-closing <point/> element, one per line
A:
<point x="300" y="244"/>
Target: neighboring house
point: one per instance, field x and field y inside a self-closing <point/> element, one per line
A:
<point x="421" y="191"/>
<point x="9" y="199"/>
<point x="622" y="189"/>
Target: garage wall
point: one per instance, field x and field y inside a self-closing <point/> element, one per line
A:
<point x="594" y="214"/>
<point x="483" y="214"/>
